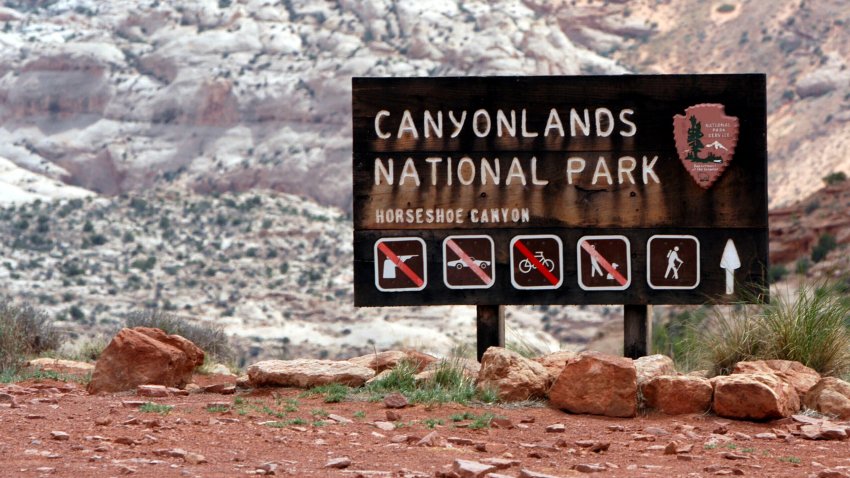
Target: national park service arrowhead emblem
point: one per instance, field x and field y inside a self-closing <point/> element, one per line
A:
<point x="705" y="139"/>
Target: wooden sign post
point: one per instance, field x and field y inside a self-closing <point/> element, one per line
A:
<point x="631" y="190"/>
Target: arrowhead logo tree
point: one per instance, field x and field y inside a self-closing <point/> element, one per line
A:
<point x="705" y="163"/>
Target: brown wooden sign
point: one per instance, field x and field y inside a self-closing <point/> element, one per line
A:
<point x="559" y="190"/>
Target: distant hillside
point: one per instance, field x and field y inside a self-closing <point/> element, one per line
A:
<point x="802" y="46"/>
<point x="273" y="269"/>
<point x="238" y="94"/>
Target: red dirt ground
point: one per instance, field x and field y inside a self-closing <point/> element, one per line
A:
<point x="236" y="443"/>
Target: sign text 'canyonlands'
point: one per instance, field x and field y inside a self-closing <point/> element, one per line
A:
<point x="559" y="190"/>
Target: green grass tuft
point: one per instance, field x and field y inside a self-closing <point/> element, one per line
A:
<point x="151" y="407"/>
<point x="432" y="422"/>
<point x="333" y="392"/>
<point x="286" y="423"/>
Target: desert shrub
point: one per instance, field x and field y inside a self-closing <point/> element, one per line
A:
<point x="826" y="243"/>
<point x="809" y="326"/>
<point x="802" y="266"/>
<point x="24" y="331"/>
<point x="834" y="178"/>
<point x="776" y="273"/>
<point x="212" y="340"/>
<point x="675" y="335"/>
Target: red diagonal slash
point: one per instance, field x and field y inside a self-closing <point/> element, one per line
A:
<point x="401" y="265"/>
<point x="537" y="265"/>
<point x="468" y="261"/>
<point x="603" y="262"/>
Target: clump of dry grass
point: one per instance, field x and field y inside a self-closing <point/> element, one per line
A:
<point x="809" y="326"/>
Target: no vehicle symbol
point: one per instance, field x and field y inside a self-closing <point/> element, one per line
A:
<point x="604" y="263"/>
<point x="537" y="262"/>
<point x="469" y="262"/>
<point x="400" y="264"/>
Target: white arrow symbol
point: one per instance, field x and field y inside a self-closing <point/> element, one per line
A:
<point x="731" y="262"/>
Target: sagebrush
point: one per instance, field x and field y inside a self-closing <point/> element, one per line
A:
<point x="25" y="331"/>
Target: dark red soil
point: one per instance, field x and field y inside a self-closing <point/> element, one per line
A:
<point x="235" y="442"/>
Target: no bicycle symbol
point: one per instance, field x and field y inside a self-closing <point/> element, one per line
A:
<point x="604" y="263"/>
<point x="400" y="264"/>
<point x="469" y="262"/>
<point x="537" y="262"/>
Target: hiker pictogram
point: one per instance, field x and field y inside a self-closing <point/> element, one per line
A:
<point x="469" y="262"/>
<point x="537" y="262"/>
<point x="673" y="262"/>
<point x="604" y="263"/>
<point x="400" y="264"/>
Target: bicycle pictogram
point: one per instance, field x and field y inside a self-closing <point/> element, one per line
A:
<point x="537" y="262"/>
<point x="525" y="265"/>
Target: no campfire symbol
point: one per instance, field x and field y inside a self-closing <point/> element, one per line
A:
<point x="705" y="140"/>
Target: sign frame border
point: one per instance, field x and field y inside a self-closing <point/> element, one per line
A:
<point x="424" y="264"/>
<point x="628" y="258"/>
<point x="649" y="269"/>
<point x="560" y="263"/>
<point x="492" y="262"/>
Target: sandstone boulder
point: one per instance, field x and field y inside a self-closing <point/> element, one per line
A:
<point x="754" y="396"/>
<point x="555" y="363"/>
<point x="390" y="359"/>
<point x="653" y="366"/>
<point x="143" y="355"/>
<point x="59" y="365"/>
<point x="307" y="373"/>
<point x="799" y="376"/>
<point x="512" y="376"/>
<point x="597" y="384"/>
<point x="830" y="396"/>
<point x="678" y="394"/>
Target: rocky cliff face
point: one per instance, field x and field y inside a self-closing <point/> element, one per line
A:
<point x="238" y="94"/>
<point x="802" y="46"/>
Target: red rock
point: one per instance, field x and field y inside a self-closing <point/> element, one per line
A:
<point x="590" y="468"/>
<point x="512" y="376"/>
<point x="676" y="395"/>
<point x="432" y="439"/>
<point x="555" y="363"/>
<point x="471" y="469"/>
<point x="526" y="473"/>
<point x="395" y="400"/>
<point x="799" y="376"/>
<point x="754" y="397"/>
<point x="221" y="388"/>
<point x="831" y="396"/>
<point x="653" y="366"/>
<point x="339" y="463"/>
<point x="495" y="448"/>
<point x="504" y="423"/>
<point x="597" y="384"/>
<point x="390" y="359"/>
<point x="143" y="355"/>
<point x="157" y="391"/>
<point x="307" y="373"/>
<point x="194" y="458"/>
